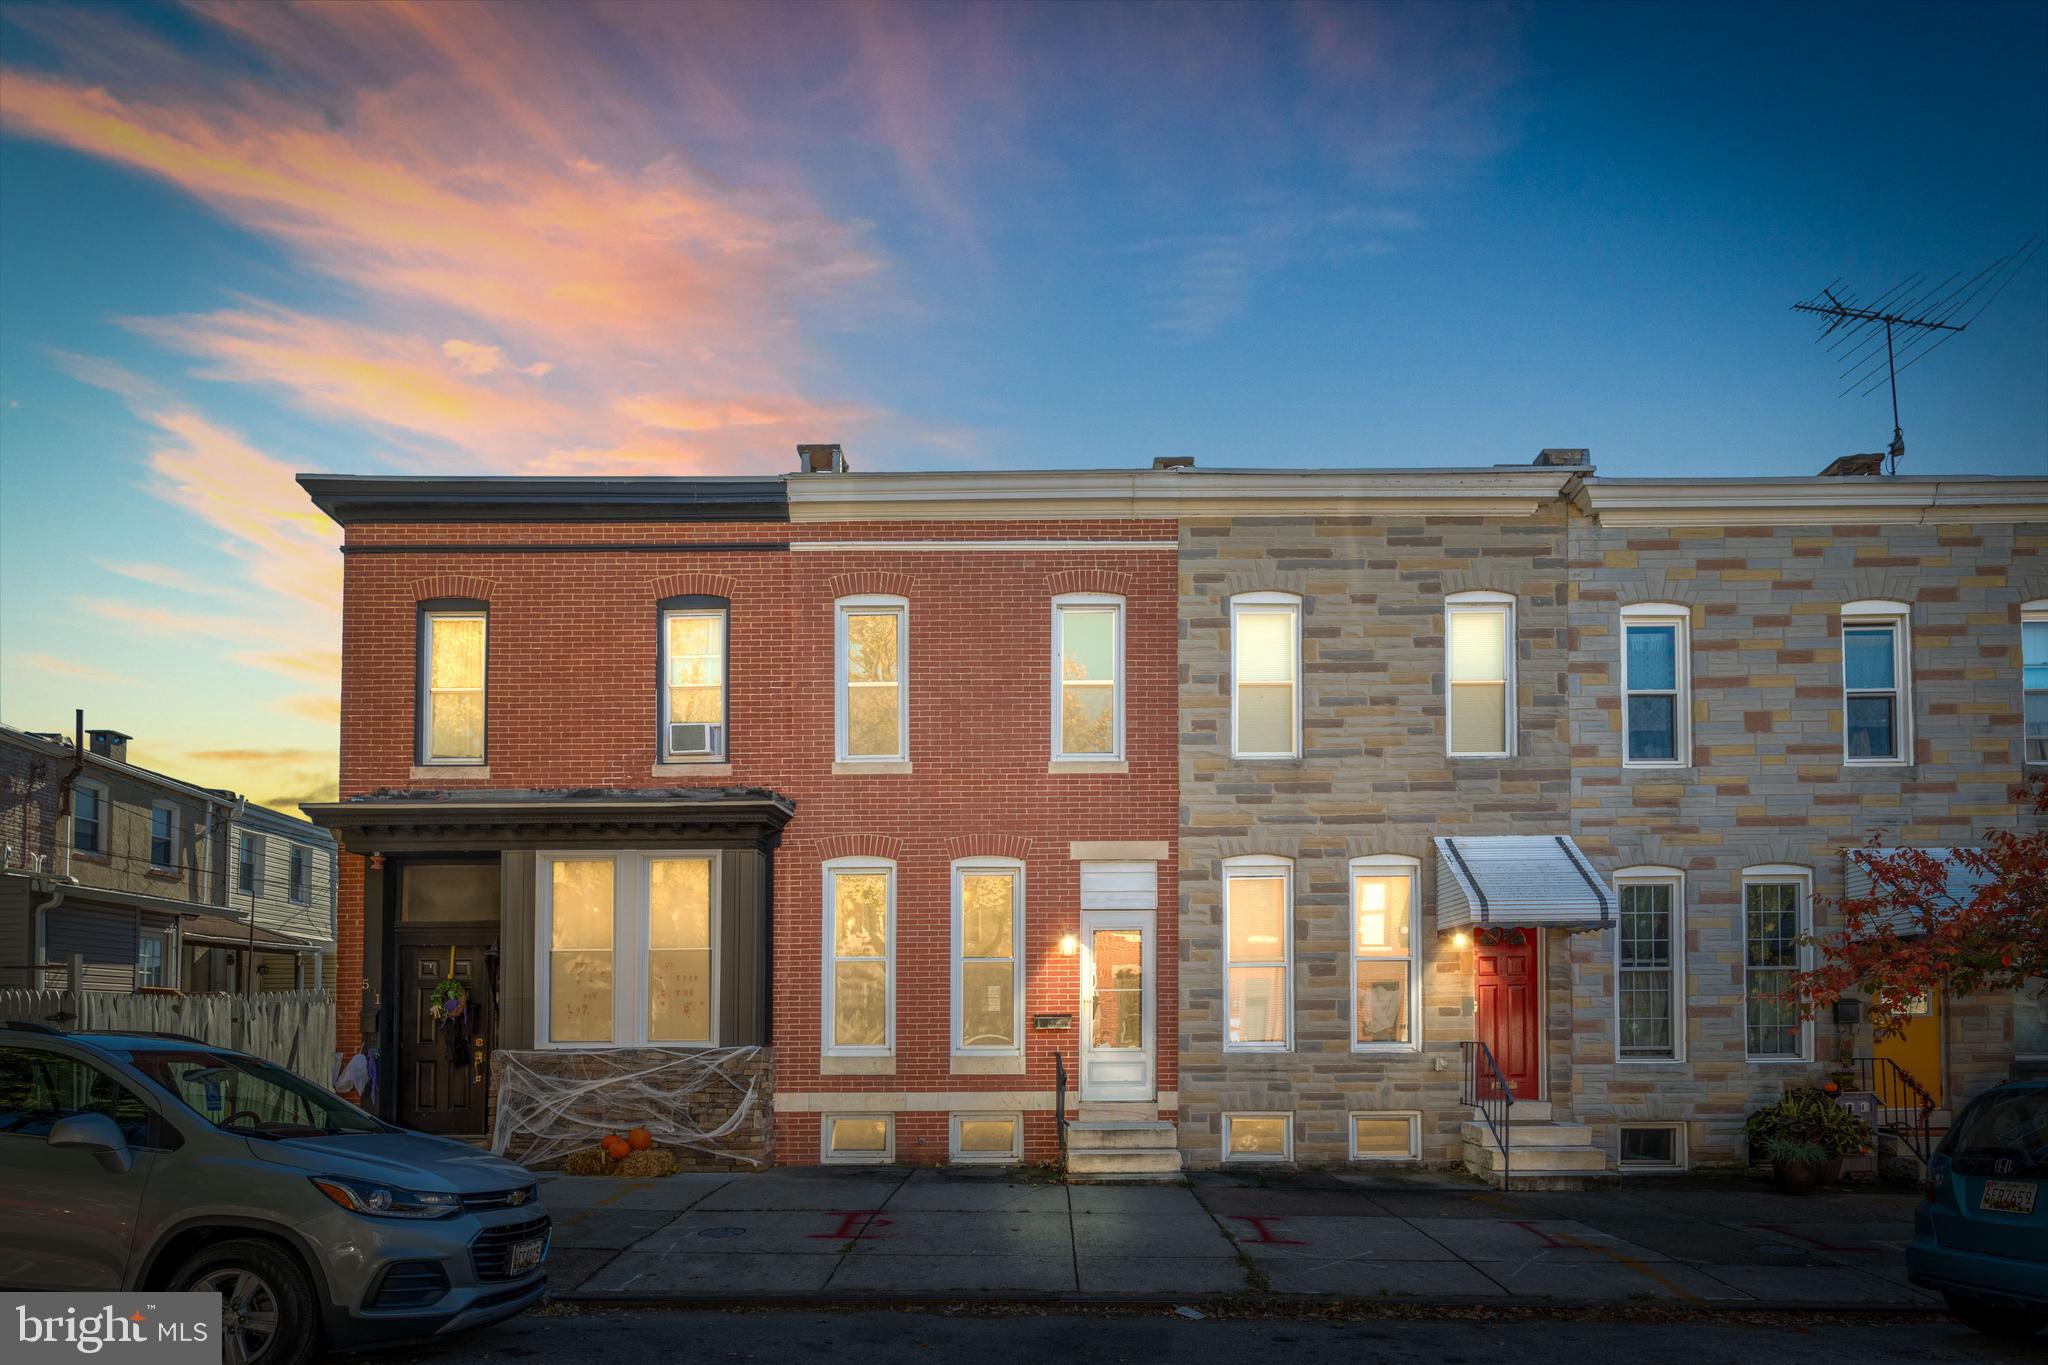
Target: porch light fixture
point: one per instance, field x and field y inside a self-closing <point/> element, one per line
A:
<point x="1461" y="939"/>
<point x="1069" y="945"/>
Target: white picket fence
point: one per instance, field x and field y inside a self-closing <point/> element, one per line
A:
<point x="295" y="1029"/>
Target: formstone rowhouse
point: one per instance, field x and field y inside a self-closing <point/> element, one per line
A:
<point x="1261" y="816"/>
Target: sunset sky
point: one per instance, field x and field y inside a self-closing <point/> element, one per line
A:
<point x="238" y="241"/>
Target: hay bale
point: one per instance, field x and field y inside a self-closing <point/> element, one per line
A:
<point x="650" y="1163"/>
<point x="589" y="1161"/>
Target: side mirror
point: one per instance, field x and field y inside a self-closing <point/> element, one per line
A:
<point x="98" y="1134"/>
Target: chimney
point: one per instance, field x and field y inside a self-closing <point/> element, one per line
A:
<point x="1173" y="462"/>
<point x="1569" y="456"/>
<point x="108" y="744"/>
<point x="820" y="459"/>
<point x="1853" y="465"/>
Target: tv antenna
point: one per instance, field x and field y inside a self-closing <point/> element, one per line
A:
<point x="1925" y="317"/>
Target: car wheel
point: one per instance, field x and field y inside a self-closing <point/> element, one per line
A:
<point x="1992" y="1320"/>
<point x="268" y="1316"/>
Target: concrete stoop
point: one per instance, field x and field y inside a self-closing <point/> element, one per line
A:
<point x="1122" y="1142"/>
<point x="1546" y="1155"/>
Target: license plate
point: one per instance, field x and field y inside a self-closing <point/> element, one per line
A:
<point x="526" y="1255"/>
<point x="2008" y="1196"/>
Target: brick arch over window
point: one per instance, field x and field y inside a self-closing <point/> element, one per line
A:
<point x="693" y="584"/>
<point x="1871" y="585"/>
<point x="988" y="846"/>
<point x="1528" y="589"/>
<point x="1088" y="580"/>
<point x="461" y="587"/>
<point x="2028" y="587"/>
<point x="1631" y="848"/>
<point x="1637" y="589"/>
<point x="870" y="583"/>
<point x="859" y="846"/>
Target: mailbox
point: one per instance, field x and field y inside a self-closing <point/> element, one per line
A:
<point x="1052" y="1021"/>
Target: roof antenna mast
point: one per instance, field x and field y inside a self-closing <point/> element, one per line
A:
<point x="1914" y="321"/>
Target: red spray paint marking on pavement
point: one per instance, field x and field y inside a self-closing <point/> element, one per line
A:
<point x="1260" y="1222"/>
<point x="1549" y="1242"/>
<point x="1816" y="1243"/>
<point x="854" y="1224"/>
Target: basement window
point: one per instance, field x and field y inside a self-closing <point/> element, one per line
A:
<point x="1258" y="1137"/>
<point x="1651" y="1147"/>
<point x="857" y="1139"/>
<point x="1386" y="1137"/>
<point x="994" y="1139"/>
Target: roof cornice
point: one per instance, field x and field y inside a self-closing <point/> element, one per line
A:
<point x="351" y="499"/>
<point x="1175" y="493"/>
<point x="1856" y="499"/>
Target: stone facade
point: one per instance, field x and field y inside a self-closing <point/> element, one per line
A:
<point x="1373" y="778"/>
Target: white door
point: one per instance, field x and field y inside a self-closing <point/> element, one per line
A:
<point x="1117" y="1007"/>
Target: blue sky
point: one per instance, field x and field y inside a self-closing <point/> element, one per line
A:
<point x="240" y="241"/>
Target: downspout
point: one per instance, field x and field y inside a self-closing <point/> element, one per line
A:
<point x="39" y="927"/>
<point x="64" y="789"/>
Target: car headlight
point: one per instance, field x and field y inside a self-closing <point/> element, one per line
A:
<point x="378" y="1200"/>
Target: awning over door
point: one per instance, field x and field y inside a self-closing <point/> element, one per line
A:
<point x="1537" y="879"/>
<point x="1963" y="883"/>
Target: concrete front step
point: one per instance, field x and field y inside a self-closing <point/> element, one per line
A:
<point x="1522" y="1135"/>
<point x="1486" y="1159"/>
<point x="1520" y="1181"/>
<point x="1092" y="1136"/>
<point x="1529" y="1111"/>
<point x="1118" y="1111"/>
<point x="1124" y="1163"/>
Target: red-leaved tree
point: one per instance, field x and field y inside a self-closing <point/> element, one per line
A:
<point x="1973" y="920"/>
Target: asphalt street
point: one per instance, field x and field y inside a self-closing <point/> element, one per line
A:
<point x="570" y="1336"/>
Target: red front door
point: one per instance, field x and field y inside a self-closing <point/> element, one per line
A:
<point x="1508" y="988"/>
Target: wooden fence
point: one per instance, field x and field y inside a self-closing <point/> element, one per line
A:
<point x="295" y="1029"/>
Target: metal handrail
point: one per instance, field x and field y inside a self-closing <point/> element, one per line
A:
<point x="1059" y="1102"/>
<point x="1903" y="1103"/>
<point x="1488" y="1091"/>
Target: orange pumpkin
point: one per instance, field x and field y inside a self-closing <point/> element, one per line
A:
<point x="639" y="1139"/>
<point x="616" y="1148"/>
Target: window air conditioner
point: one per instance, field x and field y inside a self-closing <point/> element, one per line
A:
<point x="693" y="737"/>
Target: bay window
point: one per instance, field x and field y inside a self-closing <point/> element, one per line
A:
<point x="451" y="700"/>
<point x="1265" y="675"/>
<point x="1257" y="912"/>
<point x="859" y="976"/>
<point x="1479" y="674"/>
<point x="1088" y="665"/>
<point x="627" y="947"/>
<point x="1384" y="964"/>
<point x="988" y="946"/>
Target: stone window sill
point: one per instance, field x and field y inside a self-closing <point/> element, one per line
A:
<point x="451" y="772"/>
<point x="871" y="768"/>
<point x="1088" y="765"/>
<point x="857" y="1066"/>
<point x="681" y="769"/>
<point x="164" y="874"/>
<point x="79" y="855"/>
<point x="973" y="1065"/>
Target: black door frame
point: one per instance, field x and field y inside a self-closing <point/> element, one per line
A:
<point x="396" y="935"/>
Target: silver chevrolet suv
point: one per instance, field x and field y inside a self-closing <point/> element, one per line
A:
<point x="146" y="1161"/>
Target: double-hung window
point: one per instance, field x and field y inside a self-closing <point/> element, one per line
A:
<point x="1654" y="677"/>
<point x="1649" y="965"/>
<point x="1265" y="675"/>
<point x="295" y="875"/>
<point x="451" y="704"/>
<point x="1479" y="674"/>
<point x="1088" y="665"/>
<point x="1384" y="983"/>
<point x="1774" y="909"/>
<point x="873" y="711"/>
<point x="1258" y="898"/>
<point x="2034" y="678"/>
<point x="89" y="817"/>
<point x="1876" y="712"/>
<point x="163" y="836"/>
<point x="153" y="957"/>
<point x="249" y="864"/>
<point x="628" y="949"/>
<point x="694" y="703"/>
<point x="988" y="951"/>
<point x="859" y="976"/>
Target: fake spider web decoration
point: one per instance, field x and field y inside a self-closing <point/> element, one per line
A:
<point x="563" y="1102"/>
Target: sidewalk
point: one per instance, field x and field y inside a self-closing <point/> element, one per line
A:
<point x="821" y="1234"/>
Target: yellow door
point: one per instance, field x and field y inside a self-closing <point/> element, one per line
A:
<point x="1917" y="1050"/>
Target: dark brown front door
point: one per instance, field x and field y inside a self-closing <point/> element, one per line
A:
<point x="444" y="1068"/>
<point x="1508" y="988"/>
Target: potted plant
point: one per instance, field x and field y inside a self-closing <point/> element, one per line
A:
<point x="1808" y="1116"/>
<point x="1797" y="1165"/>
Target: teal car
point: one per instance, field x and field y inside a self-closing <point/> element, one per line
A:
<point x="1980" y="1238"/>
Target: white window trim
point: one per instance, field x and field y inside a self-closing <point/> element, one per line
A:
<point x="170" y="937"/>
<point x="1414" y="1117"/>
<point x="1491" y="603"/>
<point x="1387" y="864"/>
<point x="1662" y="614"/>
<point x="1650" y="874"/>
<point x="1257" y="865"/>
<point x="724" y="617"/>
<point x="629" y="944"/>
<point x="1773" y="874"/>
<point x="171" y="809"/>
<point x="1231" y="1158"/>
<point x="425" y="740"/>
<point x="2034" y="612"/>
<point x="1681" y="1156"/>
<point x="1096" y="602"/>
<point x="832" y="868"/>
<point x="1009" y="1158"/>
<point x="962" y="868"/>
<point x="102" y="843"/>
<point x="1265" y="603"/>
<point x="1898" y="616"/>
<point x="872" y="604"/>
<point x="831" y="1158"/>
